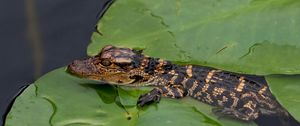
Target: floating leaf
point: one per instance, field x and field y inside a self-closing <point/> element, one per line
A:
<point x="248" y="36"/>
<point x="28" y="103"/>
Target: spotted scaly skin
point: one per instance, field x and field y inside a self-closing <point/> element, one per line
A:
<point x="235" y="95"/>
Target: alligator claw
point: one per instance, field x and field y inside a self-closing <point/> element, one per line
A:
<point x="148" y="99"/>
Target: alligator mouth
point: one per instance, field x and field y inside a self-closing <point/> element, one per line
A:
<point x="137" y="78"/>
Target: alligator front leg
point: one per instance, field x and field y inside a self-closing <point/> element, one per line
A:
<point x="174" y="91"/>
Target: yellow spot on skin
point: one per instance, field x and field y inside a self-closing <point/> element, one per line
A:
<point x="250" y="105"/>
<point x="232" y="94"/>
<point x="189" y="71"/>
<point x="241" y="85"/>
<point x="205" y="87"/>
<point x="224" y="99"/>
<point x="208" y="99"/>
<point x="209" y="75"/>
<point x="207" y="80"/>
<point x="217" y="91"/>
<point x="191" y="90"/>
<point x="235" y="102"/>
<point x="235" y="99"/>
<point x="261" y="91"/>
<point x="212" y="80"/>
<point x="246" y="95"/>
<point x="173" y="79"/>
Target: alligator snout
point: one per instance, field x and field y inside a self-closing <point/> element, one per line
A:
<point x="82" y="68"/>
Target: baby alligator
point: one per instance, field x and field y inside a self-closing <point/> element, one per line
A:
<point x="236" y="95"/>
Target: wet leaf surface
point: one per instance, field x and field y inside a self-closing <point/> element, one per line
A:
<point x="248" y="36"/>
<point x="27" y="108"/>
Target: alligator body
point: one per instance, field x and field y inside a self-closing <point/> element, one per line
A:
<point x="234" y="95"/>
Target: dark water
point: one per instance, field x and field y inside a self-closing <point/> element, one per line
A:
<point x="65" y="27"/>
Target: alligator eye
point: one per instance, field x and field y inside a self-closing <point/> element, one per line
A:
<point x="105" y="62"/>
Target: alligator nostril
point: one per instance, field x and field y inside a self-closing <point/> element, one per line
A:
<point x="71" y="67"/>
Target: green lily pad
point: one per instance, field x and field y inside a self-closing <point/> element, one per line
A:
<point x="248" y="36"/>
<point x="287" y="90"/>
<point x="59" y="99"/>
<point x="29" y="103"/>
